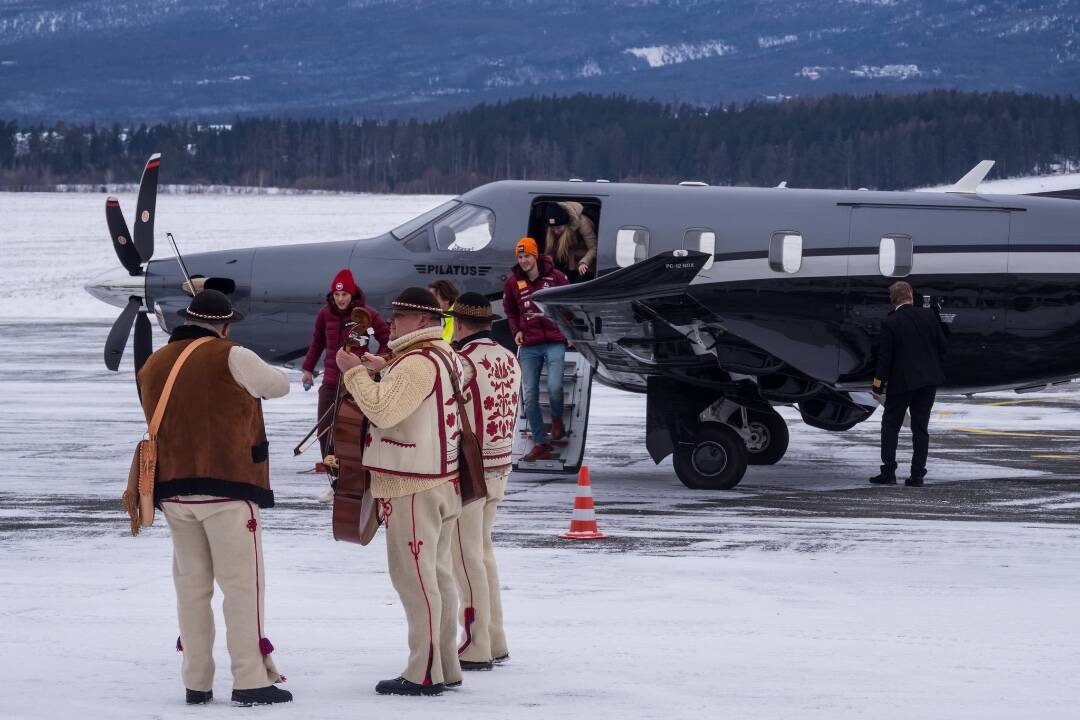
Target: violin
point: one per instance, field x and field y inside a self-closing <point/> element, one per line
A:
<point x="355" y="517"/>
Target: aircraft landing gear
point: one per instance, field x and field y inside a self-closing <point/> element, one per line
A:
<point x="767" y="439"/>
<point x="714" y="459"/>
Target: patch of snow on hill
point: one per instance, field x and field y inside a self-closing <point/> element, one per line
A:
<point x="775" y="41"/>
<point x="661" y="55"/>
<point x="898" y="72"/>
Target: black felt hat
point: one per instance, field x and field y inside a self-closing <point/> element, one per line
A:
<point x="417" y="299"/>
<point x="210" y="306"/>
<point x="555" y="214"/>
<point x="471" y="306"/>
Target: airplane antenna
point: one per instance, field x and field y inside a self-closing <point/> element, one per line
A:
<point x="970" y="183"/>
<point x="179" y="259"/>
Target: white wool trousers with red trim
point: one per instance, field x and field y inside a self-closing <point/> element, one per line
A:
<point x="482" y="635"/>
<point x="419" y="528"/>
<point x="220" y="539"/>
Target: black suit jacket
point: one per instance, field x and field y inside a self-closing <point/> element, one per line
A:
<point x="912" y="352"/>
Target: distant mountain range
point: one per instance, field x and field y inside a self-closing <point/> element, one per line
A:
<point x="212" y="59"/>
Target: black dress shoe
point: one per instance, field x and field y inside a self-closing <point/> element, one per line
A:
<point x="199" y="697"/>
<point x="884" y="479"/>
<point x="261" y="696"/>
<point x="453" y="685"/>
<point x="501" y="659"/>
<point x="401" y="686"/>
<point x="477" y="665"/>
<point x="915" y="481"/>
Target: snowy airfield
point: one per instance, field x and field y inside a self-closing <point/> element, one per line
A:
<point x="802" y="593"/>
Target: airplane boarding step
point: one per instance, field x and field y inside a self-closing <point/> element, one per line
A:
<point x="577" y="387"/>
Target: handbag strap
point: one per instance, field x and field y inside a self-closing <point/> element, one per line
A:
<point x="465" y="423"/>
<point x="159" y="410"/>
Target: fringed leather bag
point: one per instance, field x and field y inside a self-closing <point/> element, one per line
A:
<point x="138" y="498"/>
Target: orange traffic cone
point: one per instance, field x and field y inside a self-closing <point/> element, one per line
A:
<point x="583" y="522"/>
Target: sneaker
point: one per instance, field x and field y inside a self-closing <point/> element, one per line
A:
<point x="539" y="452"/>
<point x="268" y="695"/>
<point x="401" y="686"/>
<point x="501" y="659"/>
<point x="199" y="697"/>
<point x="327" y="495"/>
<point x="558" y="432"/>
<point x="476" y="665"/>
<point x="884" y="478"/>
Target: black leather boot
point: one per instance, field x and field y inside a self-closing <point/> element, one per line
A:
<point x="884" y="478"/>
<point x="401" y="686"/>
<point x="261" y="696"/>
<point x="199" y="697"/>
<point x="476" y="665"/>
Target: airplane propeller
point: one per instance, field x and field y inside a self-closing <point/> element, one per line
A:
<point x="133" y="252"/>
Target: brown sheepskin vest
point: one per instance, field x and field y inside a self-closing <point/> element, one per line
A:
<point x="212" y="440"/>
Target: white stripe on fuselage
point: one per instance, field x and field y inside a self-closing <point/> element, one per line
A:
<point x="973" y="263"/>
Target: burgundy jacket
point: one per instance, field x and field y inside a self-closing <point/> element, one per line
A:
<point x="522" y="312"/>
<point x="330" y="334"/>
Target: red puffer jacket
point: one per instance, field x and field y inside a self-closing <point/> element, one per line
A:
<point x="329" y="335"/>
<point x="522" y="312"/>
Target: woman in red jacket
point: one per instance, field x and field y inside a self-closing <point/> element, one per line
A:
<point x="330" y="334"/>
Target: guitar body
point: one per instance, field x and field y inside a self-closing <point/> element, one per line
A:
<point x="356" y="516"/>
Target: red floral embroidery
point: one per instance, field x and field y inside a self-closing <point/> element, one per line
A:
<point x="387" y="511"/>
<point x="451" y="420"/>
<point x="252" y="525"/>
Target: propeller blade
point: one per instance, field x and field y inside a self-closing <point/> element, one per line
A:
<point x="146" y="207"/>
<point x="121" y="237"/>
<point x="143" y="342"/>
<point x="118" y="336"/>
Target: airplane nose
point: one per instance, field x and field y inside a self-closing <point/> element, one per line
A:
<point x="116" y="286"/>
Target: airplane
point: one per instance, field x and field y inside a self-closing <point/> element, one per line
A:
<point x="717" y="303"/>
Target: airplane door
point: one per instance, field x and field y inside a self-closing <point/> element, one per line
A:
<point x="953" y="257"/>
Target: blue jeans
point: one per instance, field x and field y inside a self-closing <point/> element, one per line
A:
<point x="532" y="359"/>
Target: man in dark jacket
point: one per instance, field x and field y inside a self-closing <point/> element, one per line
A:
<point x="539" y="341"/>
<point x="909" y="369"/>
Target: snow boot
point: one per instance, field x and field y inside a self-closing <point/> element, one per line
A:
<point x="401" y="686"/>
<point x="261" y="696"/>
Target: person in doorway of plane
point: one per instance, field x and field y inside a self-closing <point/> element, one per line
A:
<point x="570" y="239"/>
<point x="539" y="342"/>
<point x="329" y="335"/>
<point x="909" y="369"/>
<point x="446" y="293"/>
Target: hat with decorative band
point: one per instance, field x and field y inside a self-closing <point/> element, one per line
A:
<point x="210" y="306"/>
<point x="471" y="306"/>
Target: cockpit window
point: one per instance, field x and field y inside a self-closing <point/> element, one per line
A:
<point x="468" y="228"/>
<point x="406" y="229"/>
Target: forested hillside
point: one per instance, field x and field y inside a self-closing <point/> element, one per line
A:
<point x="884" y="142"/>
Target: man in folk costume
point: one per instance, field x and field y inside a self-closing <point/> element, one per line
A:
<point x="213" y="480"/>
<point x="411" y="450"/>
<point x="492" y="383"/>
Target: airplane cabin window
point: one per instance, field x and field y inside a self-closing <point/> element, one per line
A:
<point x="631" y="245"/>
<point x="467" y="229"/>
<point x="785" y="252"/>
<point x="895" y="255"/>
<point x="408" y="228"/>
<point x="701" y="240"/>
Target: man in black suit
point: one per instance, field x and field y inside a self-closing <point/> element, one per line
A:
<point x="909" y="370"/>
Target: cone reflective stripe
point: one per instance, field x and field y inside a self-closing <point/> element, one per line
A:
<point x="583" y="521"/>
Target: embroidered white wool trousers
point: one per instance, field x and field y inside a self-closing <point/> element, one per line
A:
<point x="219" y="539"/>
<point x="419" y="531"/>
<point x="477" y="576"/>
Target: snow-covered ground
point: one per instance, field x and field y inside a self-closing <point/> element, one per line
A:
<point x="698" y="605"/>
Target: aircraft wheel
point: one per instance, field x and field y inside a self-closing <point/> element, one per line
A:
<point x="768" y="437"/>
<point x="715" y="459"/>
